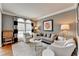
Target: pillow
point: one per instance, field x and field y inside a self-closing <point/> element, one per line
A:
<point x="41" y="34"/>
<point x="50" y="36"/>
<point x="69" y="41"/>
<point x="38" y="34"/>
<point x="54" y="37"/>
<point x="45" y="35"/>
<point x="70" y="44"/>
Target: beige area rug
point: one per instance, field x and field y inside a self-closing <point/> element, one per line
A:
<point x="23" y="49"/>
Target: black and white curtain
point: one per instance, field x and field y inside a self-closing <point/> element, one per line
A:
<point x="15" y="33"/>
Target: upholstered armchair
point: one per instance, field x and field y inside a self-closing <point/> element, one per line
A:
<point x="65" y="50"/>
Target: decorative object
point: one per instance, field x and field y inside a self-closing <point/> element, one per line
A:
<point x="48" y="25"/>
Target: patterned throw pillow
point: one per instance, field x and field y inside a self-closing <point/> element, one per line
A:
<point x="45" y="35"/>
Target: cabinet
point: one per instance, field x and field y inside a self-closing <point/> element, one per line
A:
<point x="7" y="37"/>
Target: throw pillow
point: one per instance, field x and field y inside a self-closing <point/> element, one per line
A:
<point x="41" y="34"/>
<point x="50" y="36"/>
<point x="45" y="35"/>
<point x="55" y="37"/>
<point x="69" y="41"/>
<point x="70" y="44"/>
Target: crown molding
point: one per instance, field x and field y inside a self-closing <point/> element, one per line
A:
<point x="61" y="11"/>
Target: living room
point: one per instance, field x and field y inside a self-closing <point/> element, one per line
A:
<point x="38" y="27"/>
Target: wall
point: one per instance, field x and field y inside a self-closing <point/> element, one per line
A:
<point x="0" y="26"/>
<point x="68" y="17"/>
<point x="7" y="22"/>
<point x="78" y="22"/>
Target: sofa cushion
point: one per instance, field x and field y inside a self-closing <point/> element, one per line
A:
<point x="41" y="34"/>
<point x="54" y="37"/>
<point x="49" y="35"/>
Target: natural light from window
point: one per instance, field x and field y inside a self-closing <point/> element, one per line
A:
<point x="24" y="27"/>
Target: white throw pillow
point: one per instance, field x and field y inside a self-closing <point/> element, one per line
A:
<point x="70" y="44"/>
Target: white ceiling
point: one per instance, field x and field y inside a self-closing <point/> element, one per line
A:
<point x="35" y="10"/>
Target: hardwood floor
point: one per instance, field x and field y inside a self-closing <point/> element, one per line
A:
<point x="6" y="50"/>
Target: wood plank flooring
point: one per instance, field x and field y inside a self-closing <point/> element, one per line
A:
<point x="6" y="50"/>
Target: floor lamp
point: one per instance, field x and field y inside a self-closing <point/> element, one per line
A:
<point x="65" y="28"/>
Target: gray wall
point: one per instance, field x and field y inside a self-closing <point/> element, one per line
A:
<point x="63" y="18"/>
<point x="7" y="22"/>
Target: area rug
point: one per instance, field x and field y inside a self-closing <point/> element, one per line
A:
<point x="23" y="49"/>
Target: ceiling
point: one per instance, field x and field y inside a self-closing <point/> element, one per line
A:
<point x="35" y="10"/>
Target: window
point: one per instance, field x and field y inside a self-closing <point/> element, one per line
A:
<point x="20" y="20"/>
<point x="28" y="27"/>
<point x="21" y="27"/>
<point x="24" y="27"/>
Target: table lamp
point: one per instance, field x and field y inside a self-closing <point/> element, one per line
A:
<point x="65" y="27"/>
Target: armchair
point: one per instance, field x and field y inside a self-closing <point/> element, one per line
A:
<point x="65" y="50"/>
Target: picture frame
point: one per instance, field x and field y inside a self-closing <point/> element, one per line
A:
<point x="48" y="25"/>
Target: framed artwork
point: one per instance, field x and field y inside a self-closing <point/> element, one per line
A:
<point x="48" y="25"/>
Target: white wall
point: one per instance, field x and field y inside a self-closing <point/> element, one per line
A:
<point x="0" y="26"/>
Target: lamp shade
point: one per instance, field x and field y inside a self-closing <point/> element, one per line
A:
<point x="65" y="27"/>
